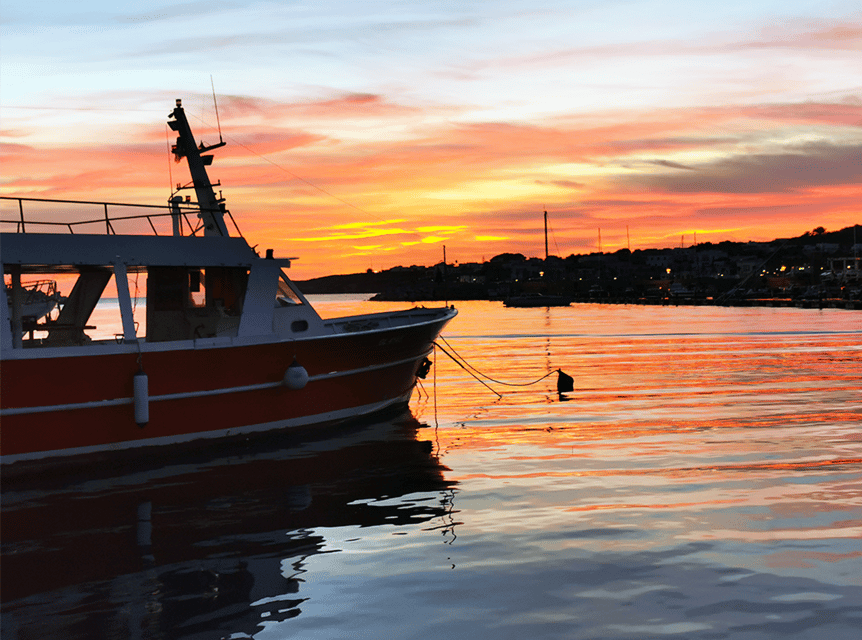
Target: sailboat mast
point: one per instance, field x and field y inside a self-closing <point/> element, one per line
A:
<point x="546" y="235"/>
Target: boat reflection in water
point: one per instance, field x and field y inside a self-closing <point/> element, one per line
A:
<point x="203" y="546"/>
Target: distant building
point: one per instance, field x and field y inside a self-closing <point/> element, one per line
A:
<point x="822" y="247"/>
<point x="661" y="260"/>
<point x="748" y="264"/>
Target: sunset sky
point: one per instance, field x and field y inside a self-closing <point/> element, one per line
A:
<point x="371" y="134"/>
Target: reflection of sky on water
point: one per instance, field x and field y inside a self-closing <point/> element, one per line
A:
<point x="702" y="481"/>
<point x="730" y="449"/>
<point x="515" y="588"/>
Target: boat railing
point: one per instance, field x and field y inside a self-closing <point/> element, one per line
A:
<point x="53" y="217"/>
<point x="36" y="290"/>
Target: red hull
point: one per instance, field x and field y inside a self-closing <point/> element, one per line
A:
<point x="83" y="403"/>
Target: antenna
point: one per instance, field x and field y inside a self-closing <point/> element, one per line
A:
<point x="218" y="122"/>
<point x="170" y="157"/>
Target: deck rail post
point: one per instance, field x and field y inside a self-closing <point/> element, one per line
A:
<point x="17" y="308"/>
<point x="121" y="279"/>
<point x="108" y="228"/>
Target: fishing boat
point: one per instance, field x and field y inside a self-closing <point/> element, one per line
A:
<point x="229" y="346"/>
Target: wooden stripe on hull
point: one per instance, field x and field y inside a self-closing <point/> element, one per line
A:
<point x="81" y="404"/>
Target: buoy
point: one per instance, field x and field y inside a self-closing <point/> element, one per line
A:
<point x="565" y="382"/>
<point x="296" y="377"/>
<point x="142" y="398"/>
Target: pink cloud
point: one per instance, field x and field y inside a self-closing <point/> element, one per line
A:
<point x="837" y="35"/>
<point x="809" y="34"/>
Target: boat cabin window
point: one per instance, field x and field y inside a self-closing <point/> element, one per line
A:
<point x="64" y="308"/>
<point x="197" y="294"/>
<point x="185" y="303"/>
<point x="287" y="292"/>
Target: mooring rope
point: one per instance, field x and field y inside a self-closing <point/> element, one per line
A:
<point x="462" y="362"/>
<point x="436" y="423"/>
<point x="476" y="377"/>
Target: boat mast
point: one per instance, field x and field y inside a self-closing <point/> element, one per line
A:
<point x="212" y="209"/>
<point x="546" y="235"/>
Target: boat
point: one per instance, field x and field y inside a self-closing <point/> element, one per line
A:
<point x="39" y="299"/>
<point x="229" y="346"/>
<point x="537" y="300"/>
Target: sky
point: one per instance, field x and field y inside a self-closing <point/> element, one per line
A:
<point x="370" y="134"/>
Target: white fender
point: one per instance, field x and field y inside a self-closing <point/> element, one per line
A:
<point x="296" y="377"/>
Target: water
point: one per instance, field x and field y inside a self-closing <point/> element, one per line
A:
<point x="704" y="480"/>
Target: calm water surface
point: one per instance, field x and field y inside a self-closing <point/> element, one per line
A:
<point x="704" y="480"/>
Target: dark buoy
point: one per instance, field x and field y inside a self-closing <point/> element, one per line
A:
<point x="565" y="382"/>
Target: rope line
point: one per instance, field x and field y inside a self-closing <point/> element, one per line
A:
<point x="436" y="424"/>
<point x="462" y="365"/>
<point x="468" y="367"/>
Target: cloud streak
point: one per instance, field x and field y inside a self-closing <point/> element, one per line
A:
<point x="794" y="169"/>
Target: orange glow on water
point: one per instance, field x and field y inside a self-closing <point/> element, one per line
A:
<point x="722" y="442"/>
<point x="705" y="421"/>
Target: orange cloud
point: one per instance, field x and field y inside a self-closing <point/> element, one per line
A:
<point x="308" y="174"/>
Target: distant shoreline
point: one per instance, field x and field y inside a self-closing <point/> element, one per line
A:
<point x="782" y="302"/>
<point x="817" y="270"/>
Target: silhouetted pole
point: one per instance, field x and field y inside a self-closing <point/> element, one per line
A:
<point x="546" y="235"/>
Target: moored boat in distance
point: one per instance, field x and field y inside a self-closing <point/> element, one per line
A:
<point x="537" y="300"/>
<point x="230" y="345"/>
<point x="39" y="299"/>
